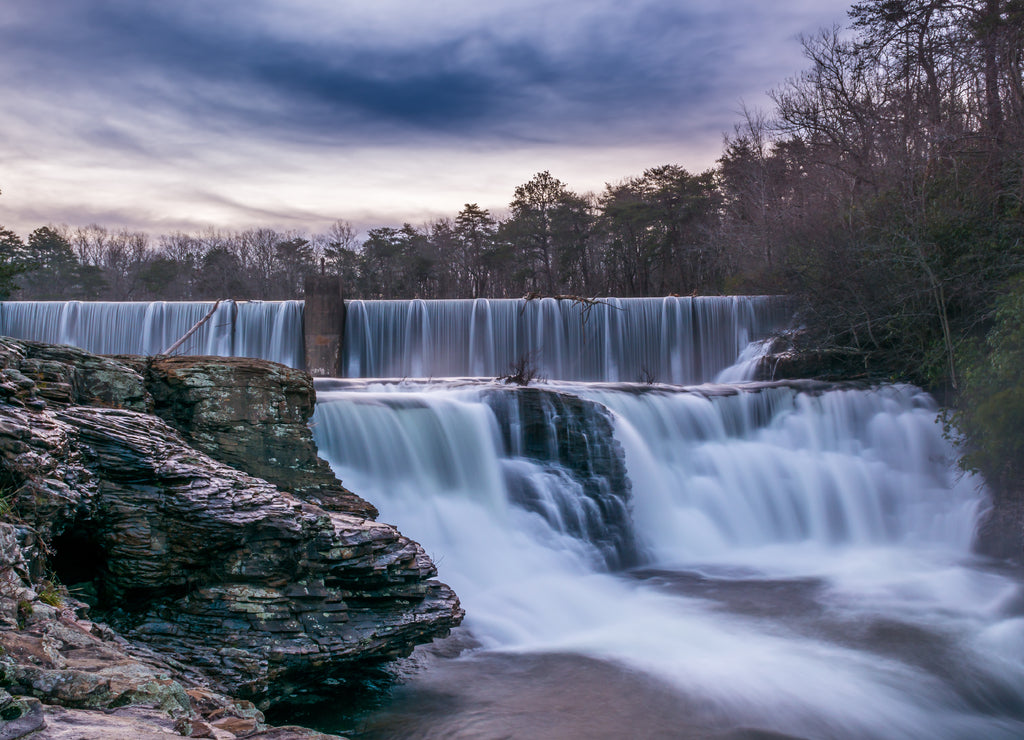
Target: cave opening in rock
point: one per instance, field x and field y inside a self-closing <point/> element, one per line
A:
<point x="79" y="562"/>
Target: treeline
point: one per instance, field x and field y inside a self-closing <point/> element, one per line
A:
<point x="652" y="234"/>
<point x="887" y="194"/>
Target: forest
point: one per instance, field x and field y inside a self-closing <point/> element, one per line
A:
<point x="883" y="191"/>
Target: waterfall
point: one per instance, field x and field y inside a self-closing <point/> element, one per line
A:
<point x="787" y="558"/>
<point x="776" y="533"/>
<point x="668" y="340"/>
<point x="270" y="330"/>
<point x="703" y="476"/>
<point x="842" y="467"/>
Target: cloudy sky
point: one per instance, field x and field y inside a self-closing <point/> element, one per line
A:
<point x="181" y="114"/>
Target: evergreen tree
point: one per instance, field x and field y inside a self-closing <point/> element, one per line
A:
<point x="51" y="268"/>
<point x="12" y="261"/>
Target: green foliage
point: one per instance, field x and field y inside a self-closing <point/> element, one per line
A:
<point x="548" y="228"/>
<point x="476" y="256"/>
<point x="51" y="267"/>
<point x="661" y="228"/>
<point x="889" y="208"/>
<point x="9" y="485"/>
<point x="50" y="594"/>
<point x="161" y="276"/>
<point x="991" y="408"/>
<point x="396" y="263"/>
<point x="24" y="612"/>
<point x="221" y="274"/>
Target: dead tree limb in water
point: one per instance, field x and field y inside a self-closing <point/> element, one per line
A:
<point x="191" y="331"/>
<point x="522" y="372"/>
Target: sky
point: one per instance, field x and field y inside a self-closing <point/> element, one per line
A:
<point x="167" y="115"/>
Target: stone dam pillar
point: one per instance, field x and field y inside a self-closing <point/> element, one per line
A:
<point x="323" y="321"/>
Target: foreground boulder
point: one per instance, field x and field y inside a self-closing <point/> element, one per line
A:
<point x="253" y="415"/>
<point x="265" y="593"/>
<point x="75" y="666"/>
<point x="211" y="577"/>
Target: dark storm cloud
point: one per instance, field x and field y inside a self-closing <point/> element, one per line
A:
<point x="177" y="113"/>
<point x="203" y="66"/>
<point x="217" y="64"/>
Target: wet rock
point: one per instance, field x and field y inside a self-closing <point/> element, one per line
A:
<point x="1001" y="529"/>
<point x="793" y="356"/>
<point x="129" y="723"/>
<point x="253" y="415"/>
<point x="262" y="592"/>
<point x="214" y="580"/>
<point x="70" y="375"/>
<point x="19" y="717"/>
<point x="573" y="437"/>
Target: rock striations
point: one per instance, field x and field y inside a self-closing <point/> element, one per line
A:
<point x="212" y="577"/>
<point x="253" y="416"/>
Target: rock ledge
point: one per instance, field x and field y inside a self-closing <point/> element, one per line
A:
<point x="215" y="583"/>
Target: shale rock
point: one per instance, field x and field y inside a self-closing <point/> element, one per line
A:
<point x="264" y="593"/>
<point x="229" y="574"/>
<point x="19" y="717"/>
<point x="67" y="375"/>
<point x="215" y="579"/>
<point x="253" y="415"/>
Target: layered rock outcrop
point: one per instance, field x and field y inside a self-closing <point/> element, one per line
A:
<point x="251" y="415"/>
<point x="213" y="577"/>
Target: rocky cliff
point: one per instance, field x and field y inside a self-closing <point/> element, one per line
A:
<point x="251" y="415"/>
<point x="211" y="577"/>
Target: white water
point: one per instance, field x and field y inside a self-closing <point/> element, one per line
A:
<point x="668" y="340"/>
<point x="271" y="330"/>
<point x="843" y="507"/>
<point x="748" y="364"/>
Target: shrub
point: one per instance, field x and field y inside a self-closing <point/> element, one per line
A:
<point x="991" y="407"/>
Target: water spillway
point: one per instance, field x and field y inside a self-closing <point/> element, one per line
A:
<point x="668" y="340"/>
<point x="271" y="330"/>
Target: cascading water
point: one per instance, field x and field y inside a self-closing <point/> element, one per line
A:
<point x="671" y="340"/>
<point x="802" y="552"/>
<point x="271" y="330"/>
